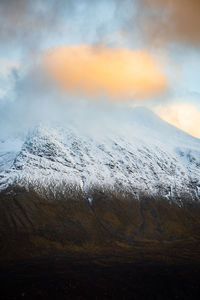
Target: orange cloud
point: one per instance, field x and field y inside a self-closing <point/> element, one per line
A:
<point x="97" y="71"/>
<point x="184" y="116"/>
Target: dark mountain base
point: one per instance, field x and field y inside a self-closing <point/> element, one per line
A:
<point x="32" y="226"/>
<point x="114" y="248"/>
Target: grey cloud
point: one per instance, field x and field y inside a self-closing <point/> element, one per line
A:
<point x="26" y="22"/>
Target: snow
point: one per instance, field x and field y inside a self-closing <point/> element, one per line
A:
<point x="90" y="200"/>
<point x="139" y="152"/>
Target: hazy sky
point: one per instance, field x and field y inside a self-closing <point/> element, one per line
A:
<point x="139" y="52"/>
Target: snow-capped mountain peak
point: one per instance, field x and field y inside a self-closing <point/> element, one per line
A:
<point x="140" y="153"/>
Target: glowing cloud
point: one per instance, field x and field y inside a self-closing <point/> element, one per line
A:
<point x="97" y="71"/>
<point x="184" y="116"/>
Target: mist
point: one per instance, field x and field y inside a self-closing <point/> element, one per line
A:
<point x="36" y="100"/>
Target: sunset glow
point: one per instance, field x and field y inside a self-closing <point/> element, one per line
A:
<point x="114" y="72"/>
<point x="184" y="116"/>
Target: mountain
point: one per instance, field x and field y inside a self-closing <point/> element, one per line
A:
<point x="139" y="153"/>
<point x="128" y="183"/>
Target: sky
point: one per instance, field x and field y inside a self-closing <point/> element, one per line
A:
<point x="132" y="52"/>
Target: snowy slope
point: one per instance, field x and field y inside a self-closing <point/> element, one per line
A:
<point x="139" y="152"/>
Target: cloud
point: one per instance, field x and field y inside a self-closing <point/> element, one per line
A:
<point x="33" y="24"/>
<point x="171" y="20"/>
<point x="8" y="75"/>
<point x="182" y="115"/>
<point x="27" y="23"/>
<point x="96" y="71"/>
